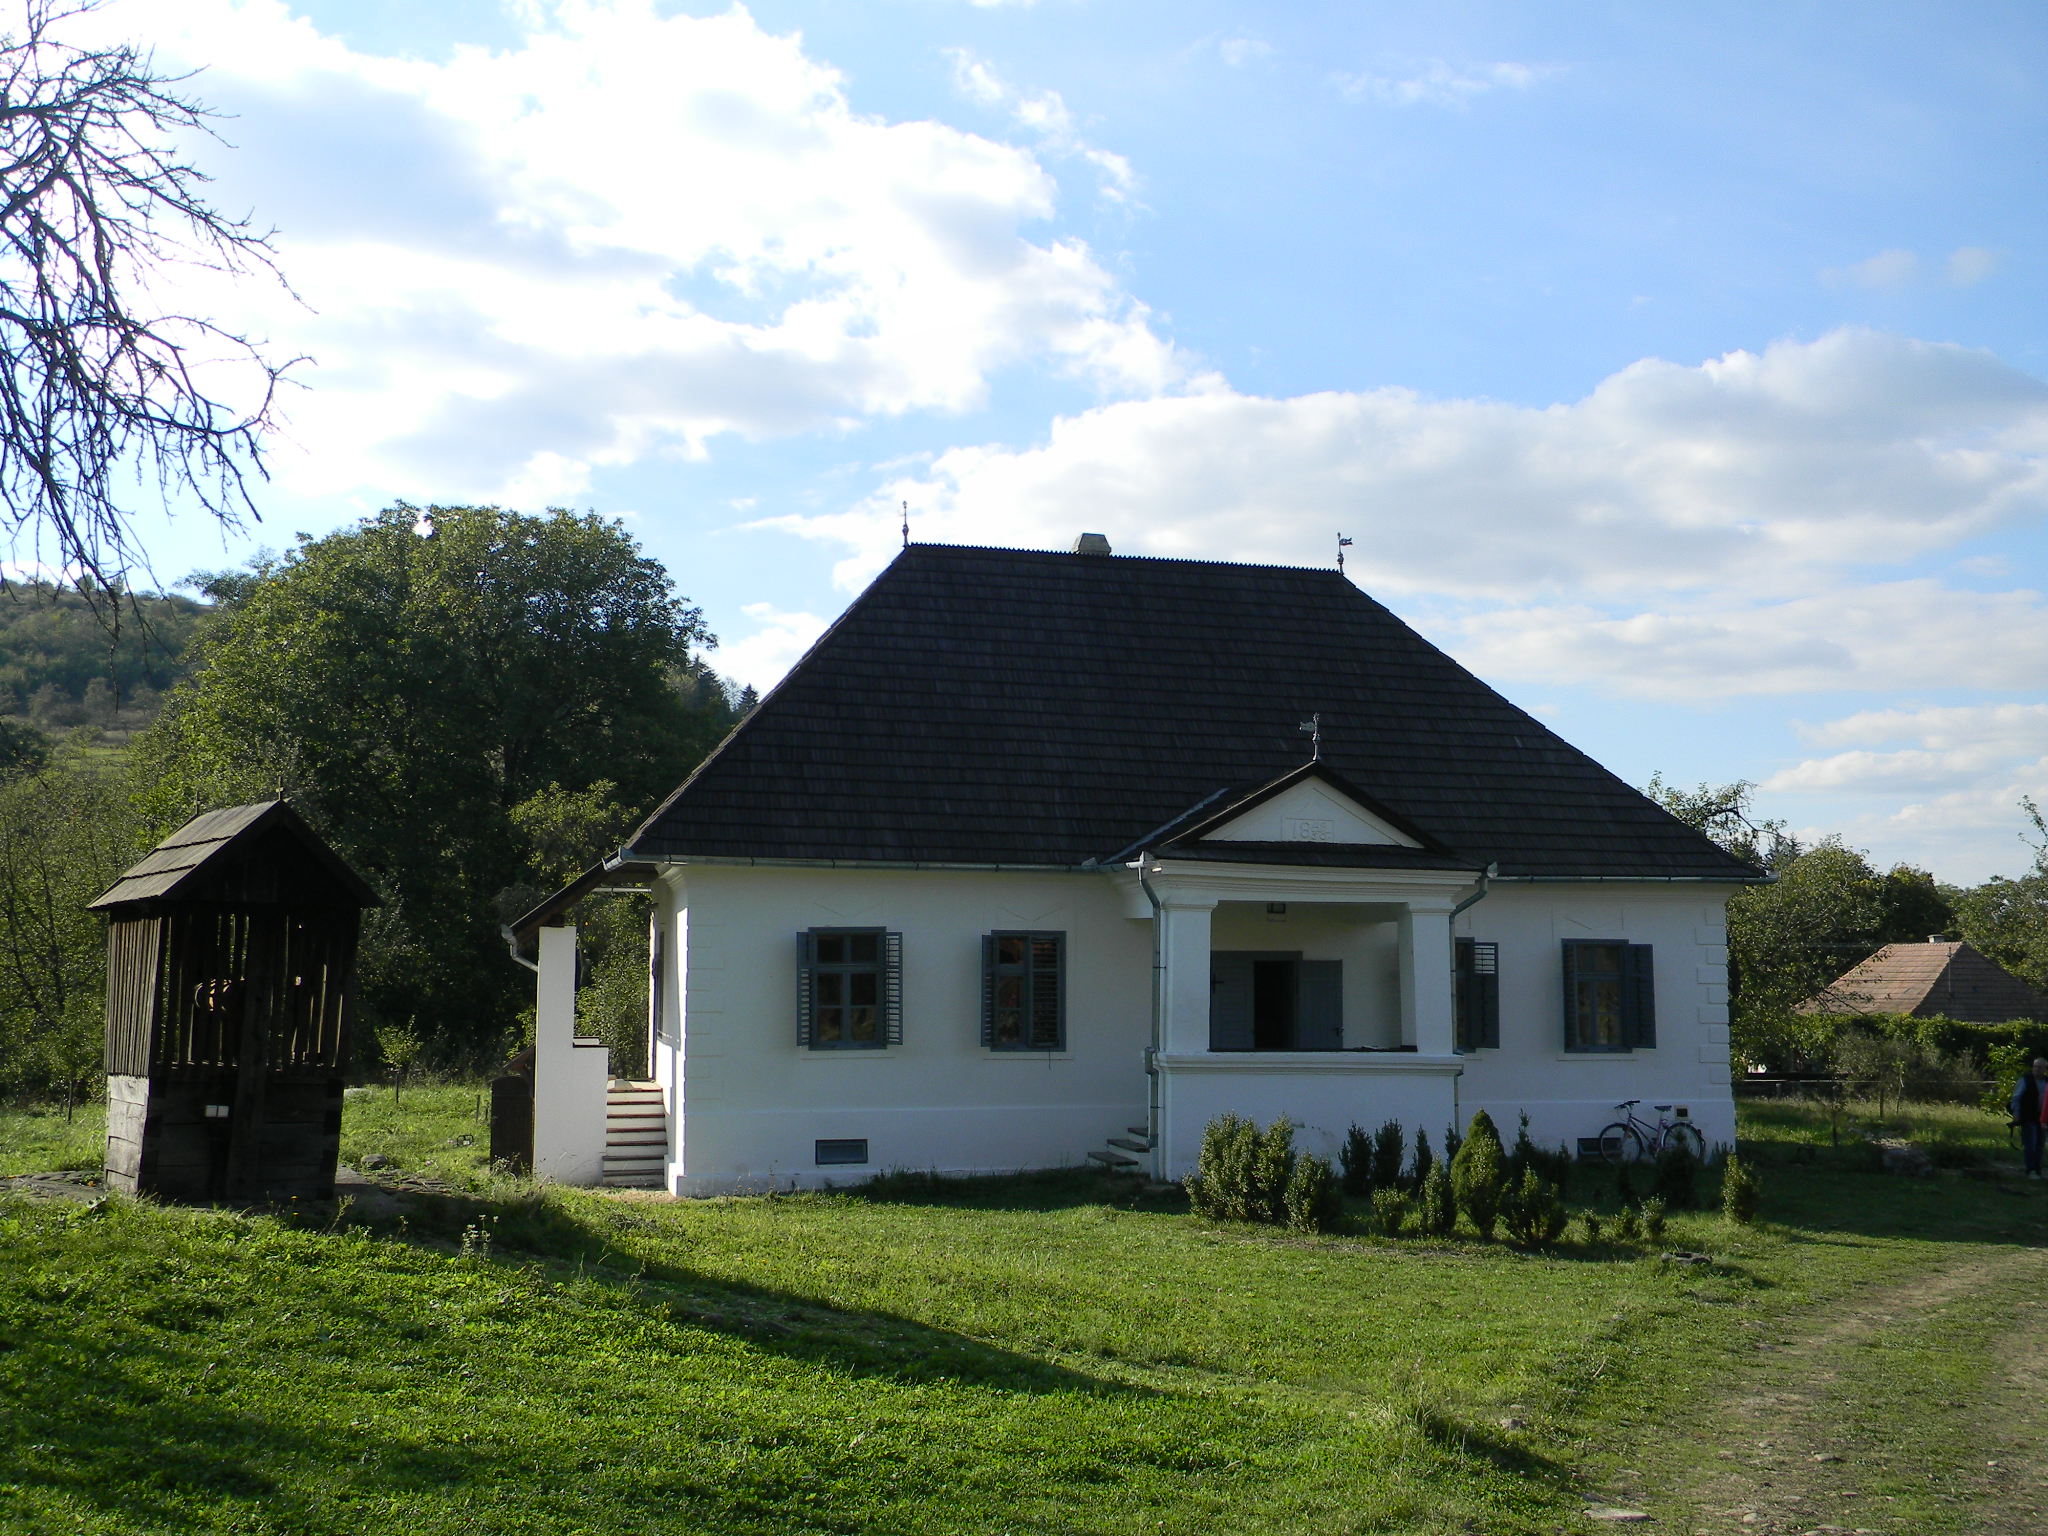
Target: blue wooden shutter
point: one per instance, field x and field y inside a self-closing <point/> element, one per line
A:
<point x="806" y="957"/>
<point x="1639" y="996"/>
<point x="892" y="989"/>
<point x="988" y="991"/>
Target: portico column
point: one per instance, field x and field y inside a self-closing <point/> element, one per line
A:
<point x="1184" y="975"/>
<point x="1427" y="999"/>
<point x="568" y="1078"/>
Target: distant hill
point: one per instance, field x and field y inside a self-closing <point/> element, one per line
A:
<point x="64" y="662"/>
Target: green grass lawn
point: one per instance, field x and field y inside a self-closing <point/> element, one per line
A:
<point x="1049" y="1354"/>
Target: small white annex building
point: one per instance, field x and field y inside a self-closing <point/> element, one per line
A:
<point x="1032" y="859"/>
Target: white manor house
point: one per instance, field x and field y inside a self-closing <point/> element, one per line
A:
<point x="1031" y="859"/>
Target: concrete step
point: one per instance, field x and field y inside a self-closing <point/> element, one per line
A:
<point x="1131" y="1145"/>
<point x="1140" y="1130"/>
<point x="1116" y="1162"/>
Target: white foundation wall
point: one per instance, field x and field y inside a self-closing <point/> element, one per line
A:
<point x="751" y="1102"/>
<point x="1324" y="1093"/>
<point x="1571" y="1094"/>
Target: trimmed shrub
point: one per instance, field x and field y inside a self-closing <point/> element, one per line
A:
<point x="1436" y="1204"/>
<point x="1628" y="1225"/>
<point x="1532" y="1211"/>
<point x="1356" y="1160"/>
<point x="1243" y="1172"/>
<point x="1590" y="1220"/>
<point x="1676" y="1179"/>
<point x="1479" y="1174"/>
<point x="1740" y="1191"/>
<point x="1272" y="1167"/>
<point x="1553" y="1163"/>
<point x="1453" y="1139"/>
<point x="1624" y="1184"/>
<point x="1220" y="1187"/>
<point x="1387" y="1145"/>
<point x="1312" y="1201"/>
<point x="1390" y="1210"/>
<point x="1423" y="1158"/>
<point x="1653" y="1219"/>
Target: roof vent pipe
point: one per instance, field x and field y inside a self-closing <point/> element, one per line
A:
<point x="1091" y="544"/>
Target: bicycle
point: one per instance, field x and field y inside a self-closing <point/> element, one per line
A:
<point x="1631" y="1139"/>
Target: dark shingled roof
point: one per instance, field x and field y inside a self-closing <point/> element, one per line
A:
<point x="210" y="858"/>
<point x="994" y="706"/>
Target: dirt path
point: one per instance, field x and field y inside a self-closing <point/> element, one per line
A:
<point x="1909" y="1411"/>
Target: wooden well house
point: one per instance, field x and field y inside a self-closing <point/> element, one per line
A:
<point x="230" y="950"/>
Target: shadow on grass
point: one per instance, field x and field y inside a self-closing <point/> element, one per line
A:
<point x="1051" y="1189"/>
<point x="527" y="1226"/>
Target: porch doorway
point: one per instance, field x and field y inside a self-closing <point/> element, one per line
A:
<point x="1274" y="1000"/>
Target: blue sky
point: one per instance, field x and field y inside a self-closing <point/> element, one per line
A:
<point x="1679" y="369"/>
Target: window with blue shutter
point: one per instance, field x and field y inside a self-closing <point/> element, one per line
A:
<point x="1023" y="991"/>
<point x="1609" y="996"/>
<point x="849" y="989"/>
<point x="1477" y="975"/>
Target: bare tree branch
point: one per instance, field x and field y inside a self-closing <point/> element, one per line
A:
<point x="105" y="399"/>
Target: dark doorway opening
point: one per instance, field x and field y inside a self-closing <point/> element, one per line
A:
<point x="1273" y="985"/>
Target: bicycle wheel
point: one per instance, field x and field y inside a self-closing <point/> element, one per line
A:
<point x="1622" y="1143"/>
<point x="1688" y="1137"/>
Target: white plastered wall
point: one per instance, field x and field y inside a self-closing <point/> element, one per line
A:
<point x="753" y="1102"/>
<point x="1572" y="1094"/>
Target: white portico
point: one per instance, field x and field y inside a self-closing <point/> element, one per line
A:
<point x="1368" y="953"/>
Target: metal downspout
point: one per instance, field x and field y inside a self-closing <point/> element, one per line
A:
<point x="1158" y="1005"/>
<point x="1485" y="878"/>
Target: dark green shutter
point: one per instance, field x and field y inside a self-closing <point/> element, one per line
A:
<point x="1639" y="992"/>
<point x="1047" y="1028"/>
<point x="892" y="989"/>
<point x="988" y="991"/>
<point x="1485" y="994"/>
<point x="1574" y="1036"/>
<point x="806" y="957"/>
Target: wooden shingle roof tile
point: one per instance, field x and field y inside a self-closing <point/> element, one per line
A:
<point x="987" y="706"/>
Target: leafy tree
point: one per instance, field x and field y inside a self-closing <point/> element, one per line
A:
<point x="445" y="709"/>
<point x="23" y="750"/>
<point x="1723" y="812"/>
<point x="100" y="377"/>
<point x="2008" y="919"/>
<point x="1789" y="941"/>
<point x="66" y="832"/>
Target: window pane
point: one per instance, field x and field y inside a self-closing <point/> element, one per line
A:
<point x="1599" y="1013"/>
<point x="831" y="1024"/>
<point x="863" y="987"/>
<point x="1009" y="1026"/>
<point x="1009" y="949"/>
<point x="1599" y="959"/>
<point x="864" y="948"/>
<point x="831" y="949"/>
<point x="831" y="986"/>
<point x="861" y="1026"/>
<point x="1009" y="991"/>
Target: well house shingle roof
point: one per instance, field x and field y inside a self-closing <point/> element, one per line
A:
<point x="992" y="706"/>
<point x="1942" y="979"/>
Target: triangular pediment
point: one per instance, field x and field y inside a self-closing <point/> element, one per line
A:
<point x="1309" y="805"/>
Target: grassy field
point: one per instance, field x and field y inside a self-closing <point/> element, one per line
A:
<point x="1052" y="1354"/>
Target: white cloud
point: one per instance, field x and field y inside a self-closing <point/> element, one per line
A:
<point x="1882" y="637"/>
<point x="1885" y="271"/>
<point x="1436" y="83"/>
<point x="1961" y="769"/>
<point x="1044" y="115"/>
<point x="1968" y="265"/>
<point x="626" y="235"/>
<point x="776" y="645"/>
<point x="1763" y="472"/>
<point x="1240" y="51"/>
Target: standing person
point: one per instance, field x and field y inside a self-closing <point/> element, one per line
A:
<point x="2030" y="1113"/>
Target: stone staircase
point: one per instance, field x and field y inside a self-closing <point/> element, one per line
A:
<point x="1128" y="1153"/>
<point x="635" y="1135"/>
